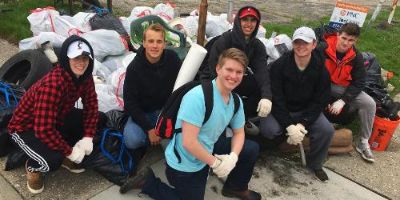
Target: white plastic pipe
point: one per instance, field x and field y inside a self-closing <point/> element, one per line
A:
<point x="376" y="12"/>
<point x="190" y="65"/>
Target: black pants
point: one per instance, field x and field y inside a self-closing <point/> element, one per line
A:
<point x="42" y="158"/>
<point x="192" y="185"/>
<point x="250" y="93"/>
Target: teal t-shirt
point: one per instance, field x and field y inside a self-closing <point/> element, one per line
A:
<point x="192" y="110"/>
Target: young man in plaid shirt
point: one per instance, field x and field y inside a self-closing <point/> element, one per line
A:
<point x="46" y="126"/>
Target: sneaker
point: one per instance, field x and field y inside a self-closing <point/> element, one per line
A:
<point x="34" y="181"/>
<point x="321" y="175"/>
<point x="365" y="152"/>
<point x="138" y="181"/>
<point x="71" y="166"/>
<point x="243" y="195"/>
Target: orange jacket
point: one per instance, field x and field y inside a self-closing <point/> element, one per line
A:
<point x="339" y="70"/>
<point x="348" y="72"/>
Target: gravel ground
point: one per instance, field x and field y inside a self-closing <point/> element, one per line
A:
<point x="382" y="176"/>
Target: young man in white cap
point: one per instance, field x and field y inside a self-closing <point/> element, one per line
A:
<point x="346" y="68"/>
<point x="300" y="87"/>
<point x="46" y="126"/>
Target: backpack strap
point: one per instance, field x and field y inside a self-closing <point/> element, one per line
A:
<point x="208" y="99"/>
<point x="236" y="101"/>
<point x="209" y="103"/>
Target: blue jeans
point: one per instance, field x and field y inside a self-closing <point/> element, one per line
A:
<point x="134" y="135"/>
<point x="191" y="185"/>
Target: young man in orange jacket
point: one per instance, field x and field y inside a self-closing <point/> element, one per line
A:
<point x="347" y="72"/>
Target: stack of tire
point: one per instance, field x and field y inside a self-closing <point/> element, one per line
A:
<point x="25" y="68"/>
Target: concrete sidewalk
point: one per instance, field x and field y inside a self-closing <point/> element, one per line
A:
<point x="274" y="176"/>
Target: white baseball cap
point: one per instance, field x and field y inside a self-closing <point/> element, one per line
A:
<point x="304" y="33"/>
<point x="78" y="48"/>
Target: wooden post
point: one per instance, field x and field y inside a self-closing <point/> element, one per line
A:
<point x="394" y="5"/>
<point x="201" y="31"/>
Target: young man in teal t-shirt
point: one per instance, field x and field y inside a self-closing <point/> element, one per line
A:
<point x="203" y="146"/>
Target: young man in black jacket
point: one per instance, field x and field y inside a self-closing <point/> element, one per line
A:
<point x="255" y="86"/>
<point x="149" y="81"/>
<point x="301" y="86"/>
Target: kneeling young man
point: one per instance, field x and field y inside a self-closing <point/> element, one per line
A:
<point x="46" y="126"/>
<point x="300" y="90"/>
<point x="233" y="157"/>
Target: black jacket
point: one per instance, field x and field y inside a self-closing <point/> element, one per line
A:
<point x="147" y="86"/>
<point x="254" y="49"/>
<point x="298" y="91"/>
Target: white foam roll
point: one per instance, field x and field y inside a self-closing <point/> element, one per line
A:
<point x="190" y="65"/>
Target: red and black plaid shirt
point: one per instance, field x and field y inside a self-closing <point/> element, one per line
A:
<point x="46" y="103"/>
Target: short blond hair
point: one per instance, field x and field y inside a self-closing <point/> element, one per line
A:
<point x="154" y="27"/>
<point x="234" y="54"/>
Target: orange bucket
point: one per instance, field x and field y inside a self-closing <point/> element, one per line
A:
<point x="382" y="133"/>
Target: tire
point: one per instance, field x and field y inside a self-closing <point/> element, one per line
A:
<point x="25" y="68"/>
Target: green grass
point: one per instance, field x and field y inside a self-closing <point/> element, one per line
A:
<point x="14" y="25"/>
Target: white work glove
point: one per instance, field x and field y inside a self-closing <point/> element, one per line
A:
<point x="227" y="163"/>
<point x="302" y="128"/>
<point x="76" y="155"/>
<point x="86" y="144"/>
<point x="295" y="133"/>
<point x="336" y="107"/>
<point x="264" y="107"/>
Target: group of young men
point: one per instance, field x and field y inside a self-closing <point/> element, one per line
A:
<point x="289" y="96"/>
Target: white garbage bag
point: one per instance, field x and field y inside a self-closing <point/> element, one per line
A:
<point x="165" y="11"/>
<point x="276" y="46"/>
<point x="36" y="41"/>
<point x="261" y="32"/>
<point x="116" y="80"/>
<point x="107" y="100"/>
<point x="100" y="70"/>
<point x="126" y="23"/>
<point x="42" y="20"/>
<point x="140" y="11"/>
<point x="191" y="24"/>
<point x="82" y="21"/>
<point x="128" y="59"/>
<point x="115" y="62"/>
<point x="105" y="42"/>
<point x="66" y="26"/>
<point x="216" y="25"/>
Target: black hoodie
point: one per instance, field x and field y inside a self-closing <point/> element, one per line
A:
<point x="147" y="86"/>
<point x="254" y="49"/>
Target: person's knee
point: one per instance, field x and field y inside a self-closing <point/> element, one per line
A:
<point x="251" y="150"/>
<point x="367" y="102"/>
<point x="134" y="140"/>
<point x="134" y="136"/>
<point x="269" y="132"/>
